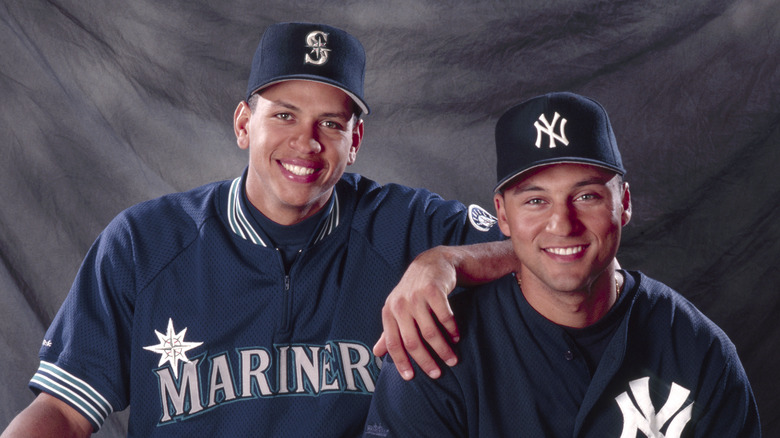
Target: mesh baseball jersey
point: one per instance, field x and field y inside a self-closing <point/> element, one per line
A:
<point x="183" y="311"/>
<point x="668" y="371"/>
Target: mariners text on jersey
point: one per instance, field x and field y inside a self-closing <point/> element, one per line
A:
<point x="207" y="382"/>
<point x="184" y="311"/>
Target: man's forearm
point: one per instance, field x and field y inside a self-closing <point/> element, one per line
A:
<point x="482" y="262"/>
<point x="47" y="416"/>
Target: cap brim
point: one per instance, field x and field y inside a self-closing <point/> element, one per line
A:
<point x="570" y="160"/>
<point x="363" y="106"/>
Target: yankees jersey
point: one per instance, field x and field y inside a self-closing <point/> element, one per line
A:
<point x="667" y="371"/>
<point x="184" y="311"/>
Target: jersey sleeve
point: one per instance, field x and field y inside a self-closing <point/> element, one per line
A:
<point x="419" y="407"/>
<point x="731" y="410"/>
<point x="686" y="347"/>
<point x="452" y="223"/>
<point x="403" y="221"/>
<point x="85" y="352"/>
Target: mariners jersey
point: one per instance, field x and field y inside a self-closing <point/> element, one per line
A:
<point x="667" y="371"/>
<point x="183" y="310"/>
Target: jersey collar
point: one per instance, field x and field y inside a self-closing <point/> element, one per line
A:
<point x="245" y="228"/>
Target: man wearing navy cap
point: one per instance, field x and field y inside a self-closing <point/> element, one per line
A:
<point x="569" y="345"/>
<point x="249" y="307"/>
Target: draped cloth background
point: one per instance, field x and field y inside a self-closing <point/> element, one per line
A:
<point x="108" y="104"/>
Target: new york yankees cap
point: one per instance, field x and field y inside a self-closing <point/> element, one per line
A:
<point x="559" y="127"/>
<point x="313" y="52"/>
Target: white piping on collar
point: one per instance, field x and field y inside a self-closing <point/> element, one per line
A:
<point x="242" y="227"/>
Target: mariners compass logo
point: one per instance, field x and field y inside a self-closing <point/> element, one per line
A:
<point x="546" y="127"/>
<point x="172" y="347"/>
<point x="317" y="42"/>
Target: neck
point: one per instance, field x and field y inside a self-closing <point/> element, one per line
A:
<point x="284" y="214"/>
<point x="577" y="309"/>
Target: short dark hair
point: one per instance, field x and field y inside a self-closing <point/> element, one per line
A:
<point x="252" y="102"/>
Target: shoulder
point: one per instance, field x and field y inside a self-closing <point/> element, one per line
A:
<point x="688" y="348"/>
<point x="663" y="301"/>
<point x="190" y="208"/>
<point x="196" y="205"/>
<point x="666" y="310"/>
<point x="167" y="222"/>
<point x="488" y="314"/>
<point x="400" y="222"/>
<point x="484" y="298"/>
<point x="396" y="203"/>
<point x="372" y="194"/>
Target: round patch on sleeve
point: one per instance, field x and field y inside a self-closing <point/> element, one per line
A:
<point x="480" y="218"/>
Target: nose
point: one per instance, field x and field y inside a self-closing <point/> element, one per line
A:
<point x="306" y="140"/>
<point x="563" y="220"/>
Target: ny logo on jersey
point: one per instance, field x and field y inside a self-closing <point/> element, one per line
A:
<point x="316" y="41"/>
<point x="549" y="128"/>
<point x="639" y="415"/>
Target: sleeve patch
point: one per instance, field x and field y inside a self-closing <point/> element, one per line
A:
<point x="480" y="218"/>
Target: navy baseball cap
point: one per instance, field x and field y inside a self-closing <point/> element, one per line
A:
<point x="554" y="128"/>
<point x="312" y="52"/>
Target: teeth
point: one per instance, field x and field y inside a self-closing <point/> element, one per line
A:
<point x="566" y="251"/>
<point x="298" y="170"/>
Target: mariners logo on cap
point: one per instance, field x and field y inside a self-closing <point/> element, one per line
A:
<point x="549" y="129"/>
<point x="317" y="42"/>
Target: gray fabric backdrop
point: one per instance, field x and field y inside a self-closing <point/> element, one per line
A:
<point x="105" y="104"/>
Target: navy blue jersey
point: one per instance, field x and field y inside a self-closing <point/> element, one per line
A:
<point x="667" y="371"/>
<point x="184" y="311"/>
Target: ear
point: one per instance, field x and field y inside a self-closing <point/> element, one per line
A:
<point x="240" y="121"/>
<point x="626" y="203"/>
<point x="357" y="140"/>
<point x="503" y="223"/>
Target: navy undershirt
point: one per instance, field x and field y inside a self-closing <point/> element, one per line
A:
<point x="591" y="341"/>
<point x="289" y="240"/>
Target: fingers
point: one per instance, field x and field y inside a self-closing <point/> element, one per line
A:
<point x="437" y="344"/>
<point x="380" y="348"/>
<point x="416" y="335"/>
<point x="413" y="344"/>
<point x="440" y="307"/>
<point x="438" y="340"/>
<point x="411" y="313"/>
<point x="393" y="344"/>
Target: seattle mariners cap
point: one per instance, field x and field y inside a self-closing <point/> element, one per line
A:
<point x="554" y="128"/>
<point x="313" y="52"/>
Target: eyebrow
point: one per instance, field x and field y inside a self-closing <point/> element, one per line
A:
<point x="346" y="116"/>
<point x="285" y="105"/>
<point x="586" y="182"/>
<point x="602" y="181"/>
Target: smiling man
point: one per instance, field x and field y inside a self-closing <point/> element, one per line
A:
<point x="301" y="139"/>
<point x="249" y="307"/>
<point x="570" y="345"/>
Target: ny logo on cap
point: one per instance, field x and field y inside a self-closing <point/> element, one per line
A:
<point x="316" y="41"/>
<point x="548" y="129"/>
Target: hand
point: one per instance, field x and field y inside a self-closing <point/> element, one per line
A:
<point x="410" y="313"/>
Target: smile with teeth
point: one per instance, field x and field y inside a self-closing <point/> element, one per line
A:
<point x="571" y="250"/>
<point x="298" y="170"/>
